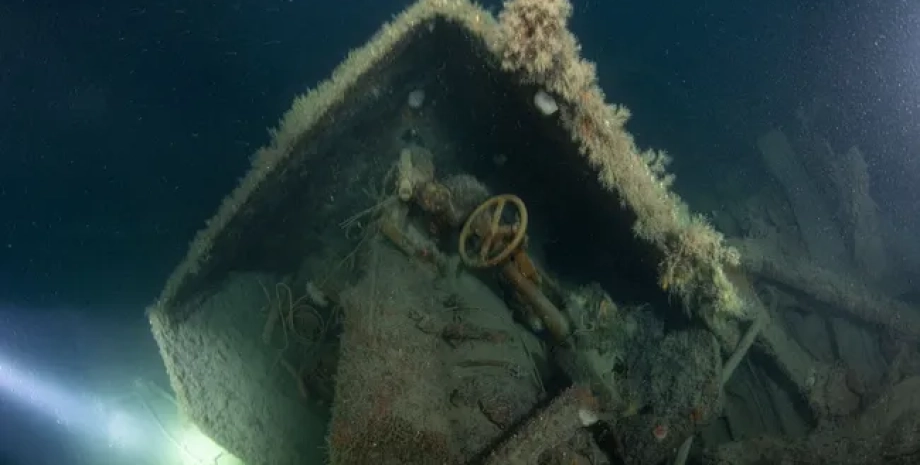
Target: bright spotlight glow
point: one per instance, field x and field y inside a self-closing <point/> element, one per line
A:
<point x="200" y="449"/>
<point x="133" y="426"/>
<point x="124" y="431"/>
<point x="65" y="407"/>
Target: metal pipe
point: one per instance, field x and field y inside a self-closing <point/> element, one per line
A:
<point x="554" y="320"/>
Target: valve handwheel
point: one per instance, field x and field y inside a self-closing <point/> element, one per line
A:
<point x="489" y="235"/>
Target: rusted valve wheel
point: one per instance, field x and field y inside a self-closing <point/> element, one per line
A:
<point x="490" y="236"/>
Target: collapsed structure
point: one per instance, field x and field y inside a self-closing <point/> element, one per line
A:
<point x="452" y="251"/>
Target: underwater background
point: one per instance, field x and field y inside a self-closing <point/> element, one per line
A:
<point x="122" y="125"/>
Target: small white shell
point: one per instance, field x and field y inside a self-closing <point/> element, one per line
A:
<point x="545" y="103"/>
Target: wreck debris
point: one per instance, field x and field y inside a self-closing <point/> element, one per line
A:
<point x="570" y="411"/>
<point x="816" y="225"/>
<point x="750" y="336"/>
<point x="290" y="191"/>
<point x="837" y="292"/>
<point x="832" y="314"/>
<point x="887" y="432"/>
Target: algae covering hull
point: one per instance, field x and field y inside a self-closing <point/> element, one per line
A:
<point x="446" y="78"/>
